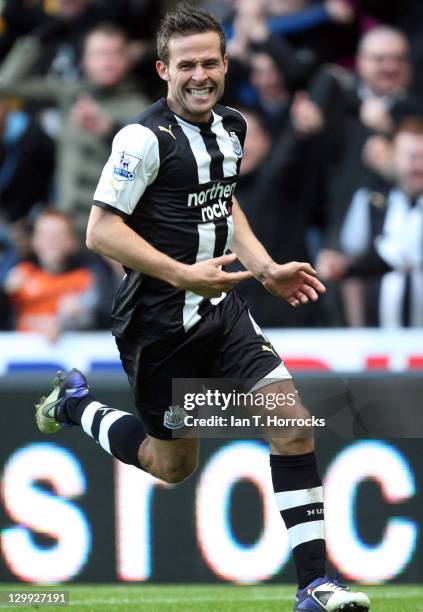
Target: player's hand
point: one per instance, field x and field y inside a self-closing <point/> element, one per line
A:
<point x="206" y="278"/>
<point x="294" y="282"/>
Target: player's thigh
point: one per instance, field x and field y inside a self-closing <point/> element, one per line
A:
<point x="245" y="353"/>
<point x="150" y="371"/>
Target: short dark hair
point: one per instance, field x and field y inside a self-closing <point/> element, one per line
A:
<point x="186" y="20"/>
<point x="109" y="29"/>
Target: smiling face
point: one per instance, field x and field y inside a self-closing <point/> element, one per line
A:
<point x="195" y="74"/>
<point x="383" y="62"/>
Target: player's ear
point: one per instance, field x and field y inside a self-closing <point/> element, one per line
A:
<point x="226" y="62"/>
<point x="162" y="70"/>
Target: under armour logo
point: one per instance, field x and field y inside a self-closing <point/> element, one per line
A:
<point x="105" y="410"/>
<point x="168" y="130"/>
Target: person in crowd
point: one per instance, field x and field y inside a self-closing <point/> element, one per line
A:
<point x="407" y="16"/>
<point x="14" y="247"/>
<point x="382" y="241"/>
<point x="328" y="30"/>
<point x="278" y="188"/>
<point x="92" y="109"/>
<point x="61" y="25"/>
<point x="58" y="26"/>
<point x="60" y="288"/>
<point x="26" y="163"/>
<point x="366" y="108"/>
<point x="265" y="70"/>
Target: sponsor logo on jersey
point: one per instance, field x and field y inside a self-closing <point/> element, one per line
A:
<point x="215" y="192"/>
<point x="168" y="130"/>
<point x="215" y="211"/>
<point x="236" y="145"/>
<point x="174" y="418"/>
<point x="125" y="170"/>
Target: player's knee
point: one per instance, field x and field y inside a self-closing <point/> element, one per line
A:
<point x="297" y="436"/>
<point x="178" y="471"/>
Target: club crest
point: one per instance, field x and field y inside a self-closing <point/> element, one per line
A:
<point x="174" y="418"/>
<point x="236" y="145"/>
<point x="125" y="170"/>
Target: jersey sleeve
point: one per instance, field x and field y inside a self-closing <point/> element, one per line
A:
<point x="132" y="166"/>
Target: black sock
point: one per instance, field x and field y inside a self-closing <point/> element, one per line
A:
<point x="299" y="495"/>
<point x="119" y="433"/>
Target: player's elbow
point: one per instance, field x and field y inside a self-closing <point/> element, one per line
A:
<point x="93" y="238"/>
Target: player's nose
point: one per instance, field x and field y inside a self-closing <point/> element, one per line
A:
<point x="200" y="74"/>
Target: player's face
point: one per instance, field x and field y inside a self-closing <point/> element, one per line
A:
<point x="195" y="75"/>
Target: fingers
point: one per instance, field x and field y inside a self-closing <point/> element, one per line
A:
<point x="311" y="281"/>
<point x="224" y="260"/>
<point x="304" y="266"/>
<point x="293" y="302"/>
<point x="309" y="292"/>
<point x="226" y="282"/>
<point x="235" y="277"/>
<point x="302" y="297"/>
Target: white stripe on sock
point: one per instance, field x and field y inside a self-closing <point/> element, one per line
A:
<point x="301" y="497"/>
<point x="88" y="416"/>
<point x="304" y="532"/>
<point x="106" y="423"/>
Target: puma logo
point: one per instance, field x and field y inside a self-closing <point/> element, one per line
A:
<point x="168" y="130"/>
<point x="268" y="348"/>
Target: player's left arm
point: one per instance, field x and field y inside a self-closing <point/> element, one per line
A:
<point x="295" y="282"/>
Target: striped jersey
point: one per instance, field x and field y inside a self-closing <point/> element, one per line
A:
<point x="172" y="181"/>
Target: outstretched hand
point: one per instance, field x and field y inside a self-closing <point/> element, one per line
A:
<point x="206" y="278"/>
<point x="294" y="282"/>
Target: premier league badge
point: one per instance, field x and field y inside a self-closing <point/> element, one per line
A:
<point x="125" y="170"/>
<point x="236" y="145"/>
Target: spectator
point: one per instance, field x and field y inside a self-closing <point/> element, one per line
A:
<point x="407" y="16"/>
<point x="58" y="26"/>
<point x="14" y="246"/>
<point x="59" y="288"/>
<point x="265" y="71"/>
<point x="327" y="30"/>
<point x="279" y="188"/>
<point x="92" y="110"/>
<point x="382" y="239"/>
<point x="364" y="113"/>
<point x="26" y="163"/>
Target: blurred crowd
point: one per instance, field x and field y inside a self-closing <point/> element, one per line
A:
<point x="333" y="161"/>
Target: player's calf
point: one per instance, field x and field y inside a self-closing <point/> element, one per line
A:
<point x="170" y="460"/>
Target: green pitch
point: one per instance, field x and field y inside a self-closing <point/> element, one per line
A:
<point x="210" y="598"/>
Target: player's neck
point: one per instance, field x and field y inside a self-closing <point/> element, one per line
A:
<point x="189" y="117"/>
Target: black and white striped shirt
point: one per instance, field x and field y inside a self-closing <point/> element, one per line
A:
<point x="390" y="227"/>
<point x="172" y="181"/>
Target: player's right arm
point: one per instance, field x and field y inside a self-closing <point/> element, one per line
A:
<point x="122" y="183"/>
